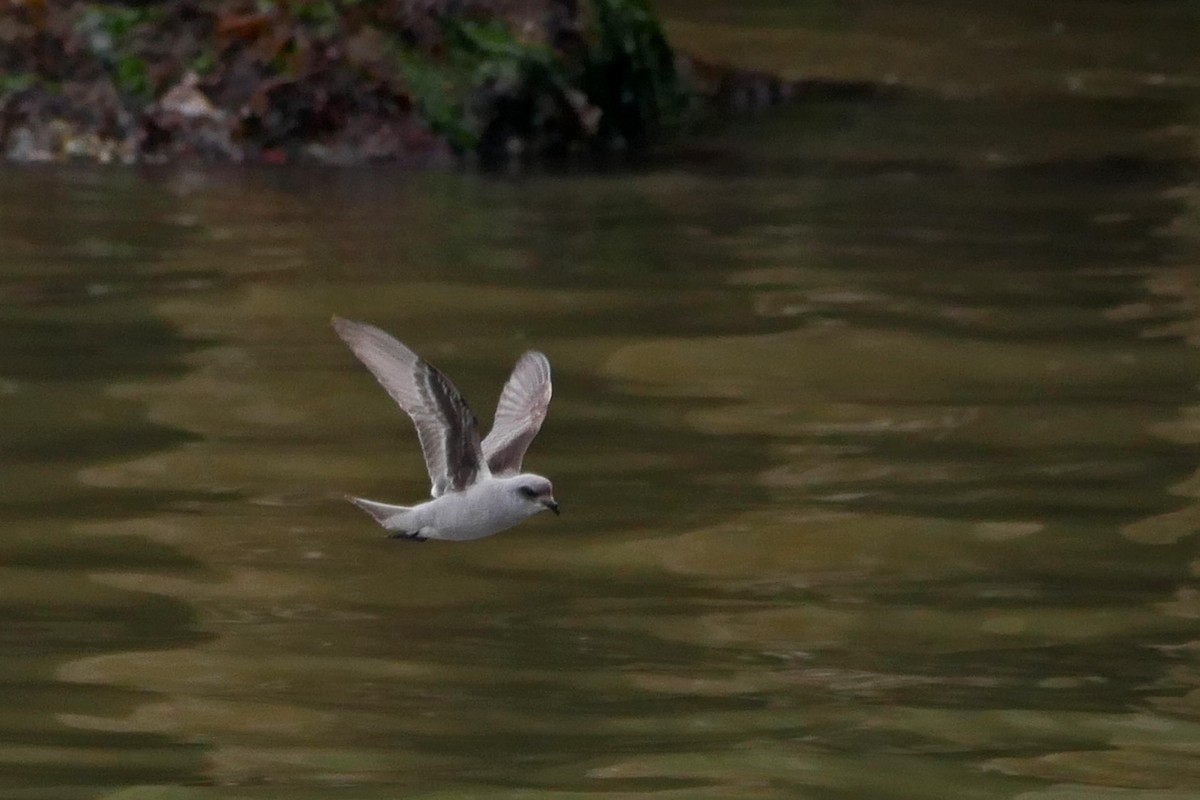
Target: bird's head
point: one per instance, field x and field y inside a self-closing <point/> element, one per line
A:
<point x="535" y="492"/>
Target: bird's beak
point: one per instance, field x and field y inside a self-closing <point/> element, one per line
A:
<point x="552" y="505"/>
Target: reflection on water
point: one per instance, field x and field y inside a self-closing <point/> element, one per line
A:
<point x="875" y="431"/>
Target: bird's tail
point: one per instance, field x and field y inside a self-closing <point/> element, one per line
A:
<point x="385" y="514"/>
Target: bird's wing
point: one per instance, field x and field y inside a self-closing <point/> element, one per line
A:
<point x="519" y="414"/>
<point x="448" y="431"/>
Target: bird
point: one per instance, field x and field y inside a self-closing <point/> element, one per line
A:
<point x="478" y="487"/>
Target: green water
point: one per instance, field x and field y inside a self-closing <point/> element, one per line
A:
<point x="875" y="430"/>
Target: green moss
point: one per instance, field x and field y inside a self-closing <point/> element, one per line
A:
<point x="322" y="16"/>
<point x="132" y="76"/>
<point x="630" y="72"/>
<point x="438" y="94"/>
<point x="17" y="82"/>
<point x="204" y="62"/>
<point x="490" y="88"/>
<point x="110" y="33"/>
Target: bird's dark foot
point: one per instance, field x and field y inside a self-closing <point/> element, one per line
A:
<point x="412" y="537"/>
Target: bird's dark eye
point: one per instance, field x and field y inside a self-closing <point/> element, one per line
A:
<point x="527" y="492"/>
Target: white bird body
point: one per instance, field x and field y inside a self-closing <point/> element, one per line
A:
<point x="478" y="487"/>
<point x="486" y="507"/>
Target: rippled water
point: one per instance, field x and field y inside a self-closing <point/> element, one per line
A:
<point x="875" y="430"/>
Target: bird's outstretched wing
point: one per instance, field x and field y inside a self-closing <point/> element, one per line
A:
<point x="519" y="414"/>
<point x="448" y="431"/>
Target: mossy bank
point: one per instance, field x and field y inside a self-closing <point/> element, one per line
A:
<point x="337" y="81"/>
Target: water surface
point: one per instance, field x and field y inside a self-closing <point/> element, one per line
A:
<point x="875" y="430"/>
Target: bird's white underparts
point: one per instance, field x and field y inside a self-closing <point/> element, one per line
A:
<point x="478" y="487"/>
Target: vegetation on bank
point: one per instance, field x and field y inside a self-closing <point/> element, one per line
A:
<point x="341" y="81"/>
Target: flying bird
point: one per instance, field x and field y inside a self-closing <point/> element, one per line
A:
<point x="478" y="487"/>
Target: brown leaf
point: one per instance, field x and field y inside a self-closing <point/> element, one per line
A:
<point x="242" y="26"/>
